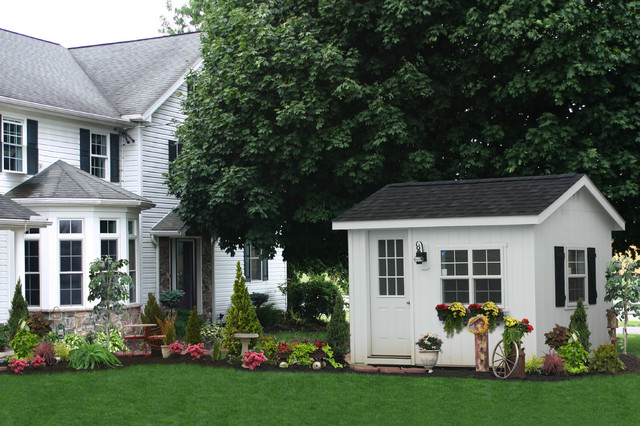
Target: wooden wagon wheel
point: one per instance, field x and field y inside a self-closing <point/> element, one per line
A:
<point x="504" y="364"/>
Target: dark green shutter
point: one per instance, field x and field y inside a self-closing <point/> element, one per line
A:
<point x="114" y="147"/>
<point x="247" y="262"/>
<point x="32" y="147"/>
<point x="560" y="268"/>
<point x="173" y="151"/>
<point x="265" y="269"/>
<point x="85" y="148"/>
<point x="591" y="275"/>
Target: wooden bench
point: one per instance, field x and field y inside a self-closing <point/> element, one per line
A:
<point x="149" y="335"/>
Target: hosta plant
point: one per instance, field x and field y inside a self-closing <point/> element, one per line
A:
<point x="91" y="356"/>
<point x="574" y="356"/>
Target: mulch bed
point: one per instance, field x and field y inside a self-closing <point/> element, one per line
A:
<point x="631" y="361"/>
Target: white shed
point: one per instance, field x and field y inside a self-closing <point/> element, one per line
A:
<point x="533" y="245"/>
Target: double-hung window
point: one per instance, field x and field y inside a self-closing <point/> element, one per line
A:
<point x="108" y="239"/>
<point x="132" y="235"/>
<point x="255" y="269"/>
<point x="32" y="266"/>
<point x="70" y="234"/>
<point x="13" y="145"/>
<point x="99" y="157"/>
<point x="471" y="275"/>
<point x="576" y="274"/>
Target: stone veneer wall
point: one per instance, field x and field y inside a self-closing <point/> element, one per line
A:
<point x="207" y="276"/>
<point x="82" y="321"/>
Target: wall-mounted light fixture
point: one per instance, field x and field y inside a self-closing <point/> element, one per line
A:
<point x="421" y="255"/>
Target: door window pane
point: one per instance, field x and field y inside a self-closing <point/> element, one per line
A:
<point x="390" y="268"/>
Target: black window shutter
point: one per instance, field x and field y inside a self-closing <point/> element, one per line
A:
<point x="85" y="148"/>
<point x="247" y="262"/>
<point x="1" y="139"/>
<point x="560" y="268"/>
<point x="114" y="147"/>
<point x="32" y="147"/>
<point x="265" y="269"/>
<point x="591" y="275"/>
<point x="173" y="151"/>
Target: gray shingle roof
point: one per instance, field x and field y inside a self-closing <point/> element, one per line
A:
<point x="109" y="80"/>
<point x="143" y="68"/>
<point x="11" y="210"/>
<point x="465" y="198"/>
<point x="61" y="180"/>
<point x="170" y="224"/>
<point x="46" y="73"/>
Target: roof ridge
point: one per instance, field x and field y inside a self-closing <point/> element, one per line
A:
<point x="485" y="180"/>
<point x="133" y="41"/>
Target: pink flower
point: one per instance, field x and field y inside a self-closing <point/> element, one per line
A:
<point x="17" y="365"/>
<point x="253" y="359"/>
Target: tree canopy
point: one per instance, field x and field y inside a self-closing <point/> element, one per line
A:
<point x="304" y="108"/>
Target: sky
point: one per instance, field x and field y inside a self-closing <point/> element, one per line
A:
<point x="74" y="23"/>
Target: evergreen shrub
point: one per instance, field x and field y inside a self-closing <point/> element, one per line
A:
<point x="152" y="312"/>
<point x="338" y="334"/>
<point x="311" y="298"/>
<point x="579" y="324"/>
<point x="241" y="317"/>
<point x="192" y="335"/>
<point x="19" y="311"/>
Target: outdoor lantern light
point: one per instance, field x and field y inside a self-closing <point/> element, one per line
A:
<point x="421" y="255"/>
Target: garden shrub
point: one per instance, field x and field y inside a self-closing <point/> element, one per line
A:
<point x="606" y="358"/>
<point x="45" y="350"/>
<point x="259" y="299"/>
<point x="24" y="342"/>
<point x="578" y="323"/>
<point x="4" y="336"/>
<point x="241" y="317"/>
<point x="338" y="333"/>
<point x="270" y="347"/>
<point x="574" y="356"/>
<point x="311" y="298"/>
<point x="552" y="364"/>
<point x="39" y="324"/>
<point x="62" y="350"/>
<point x="152" y="311"/>
<point x="269" y="315"/>
<point x="182" y="318"/>
<point x="116" y="340"/>
<point x="533" y="365"/>
<point x="74" y="340"/>
<point x="19" y="311"/>
<point x="192" y="334"/>
<point x="211" y="332"/>
<point x="557" y="337"/>
<point x="170" y="299"/>
<point x="92" y="356"/>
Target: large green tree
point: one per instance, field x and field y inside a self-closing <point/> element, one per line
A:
<point x="303" y="108"/>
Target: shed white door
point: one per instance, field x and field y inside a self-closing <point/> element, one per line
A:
<point x="390" y="309"/>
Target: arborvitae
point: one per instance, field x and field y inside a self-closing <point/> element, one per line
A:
<point x="152" y="311"/>
<point x="338" y="335"/>
<point x="19" y="311"/>
<point x="192" y="335"/>
<point x="241" y="317"/>
<point x="579" y="324"/>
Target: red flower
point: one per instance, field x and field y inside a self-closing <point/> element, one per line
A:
<point x="526" y="321"/>
<point x="530" y="328"/>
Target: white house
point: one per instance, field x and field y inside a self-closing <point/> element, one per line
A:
<point x="533" y="245"/>
<point x="87" y="135"/>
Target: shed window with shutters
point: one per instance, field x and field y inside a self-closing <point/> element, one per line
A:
<point x="18" y="145"/>
<point x="575" y="275"/>
<point x="255" y="269"/>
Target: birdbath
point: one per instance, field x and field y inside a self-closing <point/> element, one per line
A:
<point x="244" y="338"/>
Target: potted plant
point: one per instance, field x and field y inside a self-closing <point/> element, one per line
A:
<point x="514" y="331"/>
<point x="429" y="346"/>
<point x="489" y="310"/>
<point x="168" y="329"/>
<point x="454" y="317"/>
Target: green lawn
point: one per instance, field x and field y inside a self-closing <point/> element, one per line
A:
<point x="184" y="394"/>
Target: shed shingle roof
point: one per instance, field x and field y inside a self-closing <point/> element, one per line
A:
<point x="64" y="181"/>
<point x="519" y="196"/>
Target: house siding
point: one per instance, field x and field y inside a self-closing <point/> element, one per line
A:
<point x="5" y="299"/>
<point x="155" y="157"/>
<point x="579" y="223"/>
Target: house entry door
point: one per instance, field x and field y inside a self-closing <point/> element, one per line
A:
<point x="186" y="272"/>
<point x="390" y="320"/>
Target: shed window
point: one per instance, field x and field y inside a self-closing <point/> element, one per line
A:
<point x="391" y="267"/>
<point x="476" y="283"/>
<point x="577" y="275"/>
